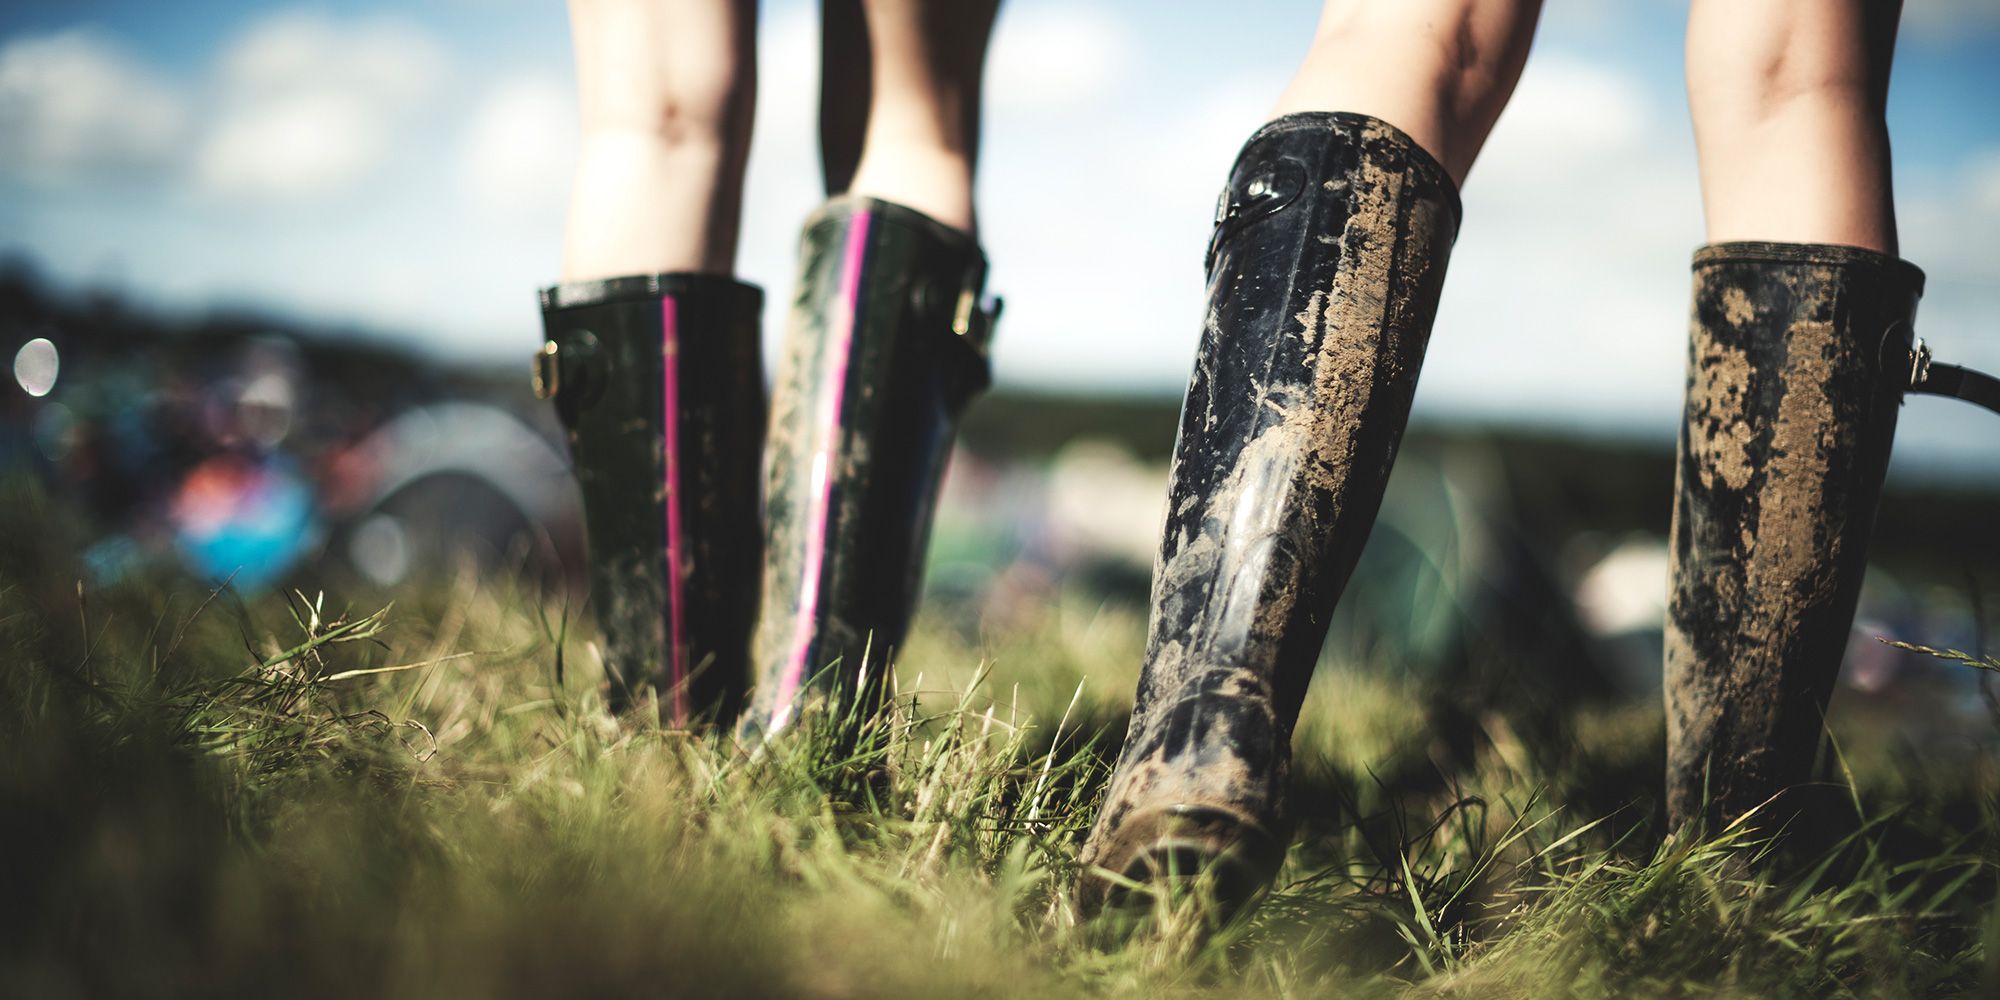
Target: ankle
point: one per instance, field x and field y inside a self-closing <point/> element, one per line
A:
<point x="1416" y="110"/>
<point x="640" y="206"/>
<point x="930" y="178"/>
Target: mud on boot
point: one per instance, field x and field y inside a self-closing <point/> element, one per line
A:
<point x="886" y="345"/>
<point x="1799" y="355"/>
<point x="658" y="382"/>
<point x="1324" y="272"/>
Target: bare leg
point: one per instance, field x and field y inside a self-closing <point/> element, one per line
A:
<point x="1440" y="70"/>
<point x="1787" y="98"/>
<point x="918" y="79"/>
<point x="667" y="89"/>
<point x="1791" y="411"/>
<point x="657" y="377"/>
<point x="884" y="348"/>
<point x="1324" y="272"/>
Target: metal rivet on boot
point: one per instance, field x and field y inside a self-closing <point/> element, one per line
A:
<point x="548" y="371"/>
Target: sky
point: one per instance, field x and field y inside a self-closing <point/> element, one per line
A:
<point x="402" y="168"/>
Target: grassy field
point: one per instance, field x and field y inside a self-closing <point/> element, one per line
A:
<point x="311" y="796"/>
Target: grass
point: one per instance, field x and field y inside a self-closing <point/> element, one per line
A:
<point x="306" y="797"/>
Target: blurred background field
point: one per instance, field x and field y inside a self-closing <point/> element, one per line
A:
<point x="275" y="456"/>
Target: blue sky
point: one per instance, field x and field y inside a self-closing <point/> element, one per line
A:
<point x="403" y="167"/>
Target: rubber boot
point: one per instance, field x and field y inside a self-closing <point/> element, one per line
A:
<point x="658" y="381"/>
<point x="1323" y="277"/>
<point x="887" y="344"/>
<point x="1798" y="359"/>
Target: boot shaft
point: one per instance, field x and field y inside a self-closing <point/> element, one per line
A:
<point x="658" y="382"/>
<point x="1325" y="268"/>
<point x="1324" y="273"/>
<point x="1798" y="358"/>
<point x="886" y="345"/>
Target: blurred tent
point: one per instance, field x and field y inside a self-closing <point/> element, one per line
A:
<point x="248" y="450"/>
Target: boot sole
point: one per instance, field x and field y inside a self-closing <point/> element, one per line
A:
<point x="1220" y="853"/>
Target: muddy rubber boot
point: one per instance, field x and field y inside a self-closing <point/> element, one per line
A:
<point x="1323" y="277"/>
<point x="886" y="345"/>
<point x="658" y="381"/>
<point x="1798" y="359"/>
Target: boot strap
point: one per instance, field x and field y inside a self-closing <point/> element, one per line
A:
<point x="1937" y="379"/>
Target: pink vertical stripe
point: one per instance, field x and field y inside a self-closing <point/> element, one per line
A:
<point x="670" y="410"/>
<point x="833" y="392"/>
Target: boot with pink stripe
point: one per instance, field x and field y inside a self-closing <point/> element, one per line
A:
<point x="658" y="381"/>
<point x="886" y="345"/>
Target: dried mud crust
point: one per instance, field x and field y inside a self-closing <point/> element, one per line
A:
<point x="1324" y="277"/>
<point x="1784" y="442"/>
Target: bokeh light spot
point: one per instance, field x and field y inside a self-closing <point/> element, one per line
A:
<point x="380" y="549"/>
<point x="36" y="365"/>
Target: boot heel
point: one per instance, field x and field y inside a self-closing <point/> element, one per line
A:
<point x="1221" y="852"/>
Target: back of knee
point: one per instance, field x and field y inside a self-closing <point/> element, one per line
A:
<point x="1463" y="55"/>
<point x="717" y="110"/>
<point x="1765" y="61"/>
<point x="687" y="106"/>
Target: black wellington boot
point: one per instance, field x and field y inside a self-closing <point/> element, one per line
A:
<point x="887" y="344"/>
<point x="1323" y="277"/>
<point x="658" y="380"/>
<point x="1798" y="359"/>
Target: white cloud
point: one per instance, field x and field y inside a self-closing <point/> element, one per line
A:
<point x="293" y="145"/>
<point x="520" y="148"/>
<point x="1568" y="115"/>
<point x="1985" y="179"/>
<point x="1951" y="20"/>
<point x="1056" y="56"/>
<point x="308" y="105"/>
<point x="788" y="76"/>
<point x="1950" y="226"/>
<point x="1568" y="286"/>
<point x="378" y="58"/>
<point x="1096" y="225"/>
<point x="75" y="102"/>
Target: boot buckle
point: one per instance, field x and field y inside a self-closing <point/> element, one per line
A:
<point x="973" y="323"/>
<point x="547" y="371"/>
